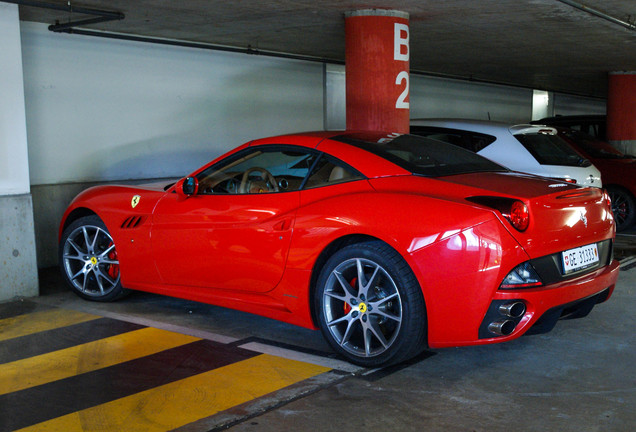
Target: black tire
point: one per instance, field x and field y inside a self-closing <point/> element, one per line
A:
<point x="88" y="260"/>
<point x="378" y="322"/>
<point x="623" y="207"/>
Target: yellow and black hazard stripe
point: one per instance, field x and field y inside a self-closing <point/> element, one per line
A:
<point x="70" y="371"/>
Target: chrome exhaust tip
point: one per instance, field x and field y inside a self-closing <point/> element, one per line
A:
<point x="502" y="328"/>
<point x="513" y="310"/>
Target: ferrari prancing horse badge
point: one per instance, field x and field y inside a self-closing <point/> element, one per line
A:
<point x="135" y="201"/>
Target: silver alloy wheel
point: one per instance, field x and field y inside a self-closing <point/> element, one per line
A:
<point x="362" y="307"/>
<point x="90" y="261"/>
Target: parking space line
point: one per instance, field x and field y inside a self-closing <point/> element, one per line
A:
<point x="36" y="344"/>
<point x="203" y="334"/>
<point x="56" y="365"/>
<point x="627" y="263"/>
<point x="185" y="401"/>
<point x="331" y="363"/>
<point x="22" y="325"/>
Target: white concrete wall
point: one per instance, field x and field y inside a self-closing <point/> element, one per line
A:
<point x="100" y="109"/>
<point x="565" y="104"/>
<point x="18" y="271"/>
<point x="433" y="97"/>
<point x="14" y="165"/>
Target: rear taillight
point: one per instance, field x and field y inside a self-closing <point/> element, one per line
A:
<point x="607" y="198"/>
<point x="522" y="276"/>
<point x="567" y="180"/>
<point x="519" y="215"/>
<point x="515" y="211"/>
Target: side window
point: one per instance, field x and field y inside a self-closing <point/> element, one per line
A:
<point x="480" y="141"/>
<point x="330" y="171"/>
<point x="472" y="141"/>
<point x="258" y="170"/>
<point x="450" y="137"/>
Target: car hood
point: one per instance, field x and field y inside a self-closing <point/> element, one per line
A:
<point x="162" y="185"/>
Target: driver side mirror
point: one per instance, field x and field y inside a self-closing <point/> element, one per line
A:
<point x="187" y="186"/>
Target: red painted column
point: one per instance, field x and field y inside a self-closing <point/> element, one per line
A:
<point x="377" y="70"/>
<point x="621" y="111"/>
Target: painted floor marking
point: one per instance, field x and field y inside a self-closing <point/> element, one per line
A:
<point x="56" y="365"/>
<point x="627" y="262"/>
<point x="182" y="402"/>
<point x="340" y="365"/>
<point x="203" y="334"/>
<point x="23" y="325"/>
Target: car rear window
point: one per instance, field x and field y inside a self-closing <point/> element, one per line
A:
<point x="550" y="149"/>
<point x="420" y="155"/>
<point x="473" y="141"/>
<point x="593" y="146"/>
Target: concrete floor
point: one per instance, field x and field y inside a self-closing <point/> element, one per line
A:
<point x="579" y="377"/>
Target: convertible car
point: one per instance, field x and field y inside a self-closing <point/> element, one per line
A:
<point x="387" y="243"/>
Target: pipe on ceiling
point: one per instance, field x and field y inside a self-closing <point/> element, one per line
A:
<point x="212" y="47"/>
<point x="598" y="13"/>
<point x="100" y="15"/>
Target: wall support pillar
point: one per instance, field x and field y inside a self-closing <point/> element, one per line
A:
<point x="621" y="111"/>
<point x="377" y="70"/>
<point x="18" y="268"/>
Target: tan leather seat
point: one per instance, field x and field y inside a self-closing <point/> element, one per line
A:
<point x="337" y="174"/>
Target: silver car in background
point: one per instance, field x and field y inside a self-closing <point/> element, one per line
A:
<point x="532" y="149"/>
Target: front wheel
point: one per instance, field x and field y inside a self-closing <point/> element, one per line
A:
<point x="369" y="305"/>
<point x="88" y="260"/>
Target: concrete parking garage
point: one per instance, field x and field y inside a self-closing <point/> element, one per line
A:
<point x="161" y="91"/>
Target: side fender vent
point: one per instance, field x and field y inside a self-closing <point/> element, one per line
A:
<point x="133" y="222"/>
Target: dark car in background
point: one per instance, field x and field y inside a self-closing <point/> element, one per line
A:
<point x="595" y="125"/>
<point x="618" y="172"/>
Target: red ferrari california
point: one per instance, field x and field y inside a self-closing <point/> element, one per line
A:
<point x="387" y="243"/>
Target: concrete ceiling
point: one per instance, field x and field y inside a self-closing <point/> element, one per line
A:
<point x="541" y="44"/>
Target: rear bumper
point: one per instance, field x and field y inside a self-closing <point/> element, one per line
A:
<point x="543" y="307"/>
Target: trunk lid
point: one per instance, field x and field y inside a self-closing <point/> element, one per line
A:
<point x="562" y="216"/>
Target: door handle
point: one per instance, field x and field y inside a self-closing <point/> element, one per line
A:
<point x="283" y="225"/>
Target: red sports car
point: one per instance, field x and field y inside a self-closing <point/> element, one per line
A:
<point x="388" y="243"/>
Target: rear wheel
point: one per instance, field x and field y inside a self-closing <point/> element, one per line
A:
<point x="88" y="260"/>
<point x="369" y="305"/>
<point x="623" y="207"/>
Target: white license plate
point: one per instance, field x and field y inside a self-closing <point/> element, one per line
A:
<point x="579" y="258"/>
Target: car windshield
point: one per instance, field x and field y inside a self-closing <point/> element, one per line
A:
<point x="421" y="156"/>
<point x="550" y="149"/>
<point x="593" y="146"/>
